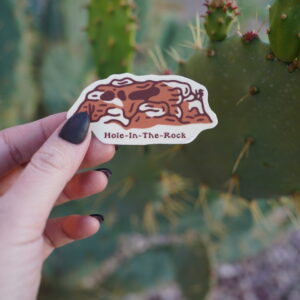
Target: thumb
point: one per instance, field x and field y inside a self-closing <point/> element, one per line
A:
<point x="32" y="197"/>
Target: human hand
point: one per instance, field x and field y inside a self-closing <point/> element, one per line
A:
<point x="38" y="162"/>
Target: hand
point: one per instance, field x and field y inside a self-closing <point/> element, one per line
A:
<point x="37" y="166"/>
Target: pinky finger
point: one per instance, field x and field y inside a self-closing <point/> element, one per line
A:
<point x="64" y="230"/>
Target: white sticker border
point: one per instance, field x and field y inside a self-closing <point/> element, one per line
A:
<point x="184" y="133"/>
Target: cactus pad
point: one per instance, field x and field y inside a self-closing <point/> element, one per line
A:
<point x="284" y="32"/>
<point x="257" y="101"/>
<point x="111" y="30"/>
<point x="219" y="18"/>
<point x="18" y="96"/>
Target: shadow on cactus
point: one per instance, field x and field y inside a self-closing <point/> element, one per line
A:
<point x="254" y="89"/>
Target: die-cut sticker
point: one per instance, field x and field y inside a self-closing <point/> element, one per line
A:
<point x="126" y="109"/>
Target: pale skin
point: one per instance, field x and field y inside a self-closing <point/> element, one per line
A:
<point x="37" y="172"/>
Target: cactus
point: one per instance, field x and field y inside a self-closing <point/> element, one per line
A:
<point x="284" y="32"/>
<point x="256" y="99"/>
<point x="145" y="205"/>
<point x="165" y="259"/>
<point x="9" y="45"/>
<point x="146" y="201"/>
<point x="219" y="18"/>
<point x="65" y="62"/>
<point x="111" y="29"/>
<point x="17" y="89"/>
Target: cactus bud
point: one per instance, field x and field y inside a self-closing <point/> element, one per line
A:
<point x="250" y="36"/>
<point x="219" y="17"/>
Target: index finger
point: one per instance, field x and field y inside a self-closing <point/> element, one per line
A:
<point x="34" y="193"/>
<point x="18" y="143"/>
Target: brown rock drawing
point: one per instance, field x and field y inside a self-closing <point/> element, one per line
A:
<point x="133" y="104"/>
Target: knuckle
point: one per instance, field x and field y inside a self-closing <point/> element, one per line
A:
<point x="14" y="152"/>
<point x="49" y="160"/>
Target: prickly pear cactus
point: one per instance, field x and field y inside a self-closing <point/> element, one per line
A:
<point x="18" y="95"/>
<point x="284" y="32"/>
<point x="220" y="16"/>
<point x="160" y="232"/>
<point x="111" y="29"/>
<point x="255" y="148"/>
<point x="65" y="62"/>
<point x="9" y="45"/>
<point x="137" y="252"/>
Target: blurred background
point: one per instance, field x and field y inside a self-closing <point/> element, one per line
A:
<point x="165" y="237"/>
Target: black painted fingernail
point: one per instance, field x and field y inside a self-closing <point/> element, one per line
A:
<point x="106" y="171"/>
<point x="117" y="147"/>
<point x="99" y="217"/>
<point x="76" y="128"/>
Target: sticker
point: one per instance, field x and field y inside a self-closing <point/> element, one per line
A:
<point x="126" y="109"/>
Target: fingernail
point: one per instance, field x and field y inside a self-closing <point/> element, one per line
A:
<point x="106" y="171"/>
<point x="76" y="128"/>
<point x="117" y="147"/>
<point x="99" y="217"/>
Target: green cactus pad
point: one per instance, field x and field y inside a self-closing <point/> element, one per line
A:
<point x="257" y="103"/>
<point x="219" y="18"/>
<point x="111" y="30"/>
<point x="284" y="33"/>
